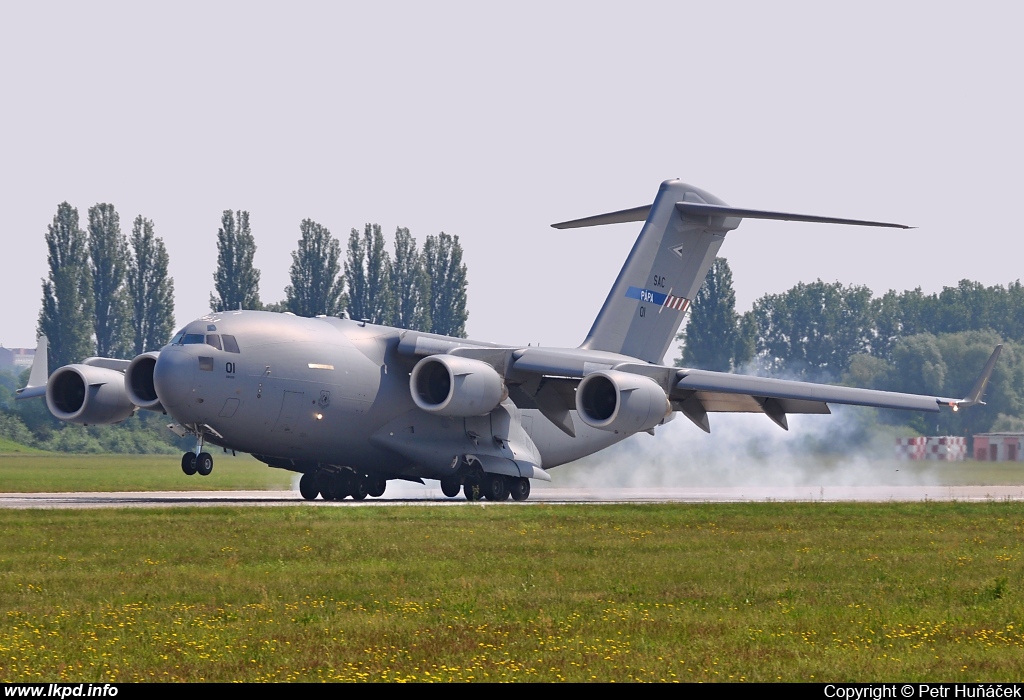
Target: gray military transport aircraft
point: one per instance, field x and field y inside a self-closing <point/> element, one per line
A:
<point x="350" y="405"/>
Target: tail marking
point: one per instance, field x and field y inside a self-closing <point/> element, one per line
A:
<point x="666" y="301"/>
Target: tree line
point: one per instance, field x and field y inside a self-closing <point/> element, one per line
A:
<point x="901" y="341"/>
<point x="412" y="288"/>
<point x="110" y="294"/>
<point x="106" y="293"/>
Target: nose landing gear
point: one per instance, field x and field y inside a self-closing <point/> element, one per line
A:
<point x="201" y="464"/>
<point x="197" y="461"/>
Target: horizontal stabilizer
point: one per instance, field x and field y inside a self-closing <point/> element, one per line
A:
<point x="700" y="209"/>
<point x="615" y="217"/>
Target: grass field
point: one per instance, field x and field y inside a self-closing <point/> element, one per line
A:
<point x="757" y="592"/>
<point x="37" y="471"/>
<point x="9" y="447"/>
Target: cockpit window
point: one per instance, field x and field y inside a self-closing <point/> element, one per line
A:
<point x="230" y="345"/>
<point x="176" y="340"/>
<point x="213" y="340"/>
<point x="193" y="339"/>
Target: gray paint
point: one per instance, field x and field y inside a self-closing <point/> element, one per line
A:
<point x="309" y="393"/>
<point x="671" y="256"/>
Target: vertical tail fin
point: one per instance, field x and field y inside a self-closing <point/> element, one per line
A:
<point x="682" y="233"/>
<point x="39" y="373"/>
<point x="662" y="274"/>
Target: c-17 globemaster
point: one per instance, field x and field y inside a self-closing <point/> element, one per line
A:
<point x="350" y="405"/>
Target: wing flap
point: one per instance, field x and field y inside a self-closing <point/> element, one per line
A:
<point x="716" y="402"/>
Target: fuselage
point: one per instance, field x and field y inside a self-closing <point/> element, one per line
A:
<point x="301" y="392"/>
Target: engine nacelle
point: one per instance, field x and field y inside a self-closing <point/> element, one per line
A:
<point x="448" y="385"/>
<point x="88" y="395"/>
<point x="621" y="402"/>
<point x="138" y="382"/>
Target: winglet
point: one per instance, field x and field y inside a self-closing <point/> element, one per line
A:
<point x="978" y="390"/>
<point x="37" y="377"/>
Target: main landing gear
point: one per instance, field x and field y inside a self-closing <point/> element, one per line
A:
<point x="482" y="485"/>
<point x="336" y="486"/>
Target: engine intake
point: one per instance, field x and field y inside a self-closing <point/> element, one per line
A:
<point x="88" y="395"/>
<point x="138" y="382"/>
<point x="448" y="385"/>
<point x="621" y="402"/>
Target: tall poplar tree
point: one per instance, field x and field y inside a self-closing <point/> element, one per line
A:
<point x="442" y="262"/>
<point x="108" y="254"/>
<point x="236" y="281"/>
<point x="368" y="271"/>
<point x="150" y="289"/>
<point x="316" y="285"/>
<point x="67" y="291"/>
<point x="410" y="285"/>
<point x="712" y="338"/>
<point x="355" y="276"/>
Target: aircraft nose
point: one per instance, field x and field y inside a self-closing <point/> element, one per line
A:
<point x="172" y="377"/>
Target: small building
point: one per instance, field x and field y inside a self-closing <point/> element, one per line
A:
<point x="998" y="447"/>
<point x="16" y="360"/>
<point x="942" y="448"/>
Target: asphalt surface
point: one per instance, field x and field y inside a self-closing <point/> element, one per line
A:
<point x="427" y="496"/>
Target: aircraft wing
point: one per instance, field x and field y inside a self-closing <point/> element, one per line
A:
<point x="545" y="379"/>
<point x="699" y="392"/>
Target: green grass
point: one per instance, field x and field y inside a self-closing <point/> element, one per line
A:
<point x="9" y="447"/>
<point x="56" y="472"/>
<point x="756" y="592"/>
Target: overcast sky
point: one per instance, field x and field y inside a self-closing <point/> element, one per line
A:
<point x="493" y="121"/>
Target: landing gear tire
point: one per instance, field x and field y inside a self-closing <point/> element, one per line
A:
<point x="204" y="463"/>
<point x="495" y="487"/>
<point x="450" y="486"/>
<point x="308" y="486"/>
<point x="360" y="489"/>
<point x="328" y="487"/>
<point x="520" y="489"/>
<point x="188" y="463"/>
<point x="473" y="489"/>
<point x="376" y="486"/>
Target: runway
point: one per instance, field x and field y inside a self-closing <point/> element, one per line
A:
<point x="414" y="495"/>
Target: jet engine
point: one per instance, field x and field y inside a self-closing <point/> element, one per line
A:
<point x="138" y="382"/>
<point x="621" y="402"/>
<point x="447" y="385"/>
<point x="88" y="395"/>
